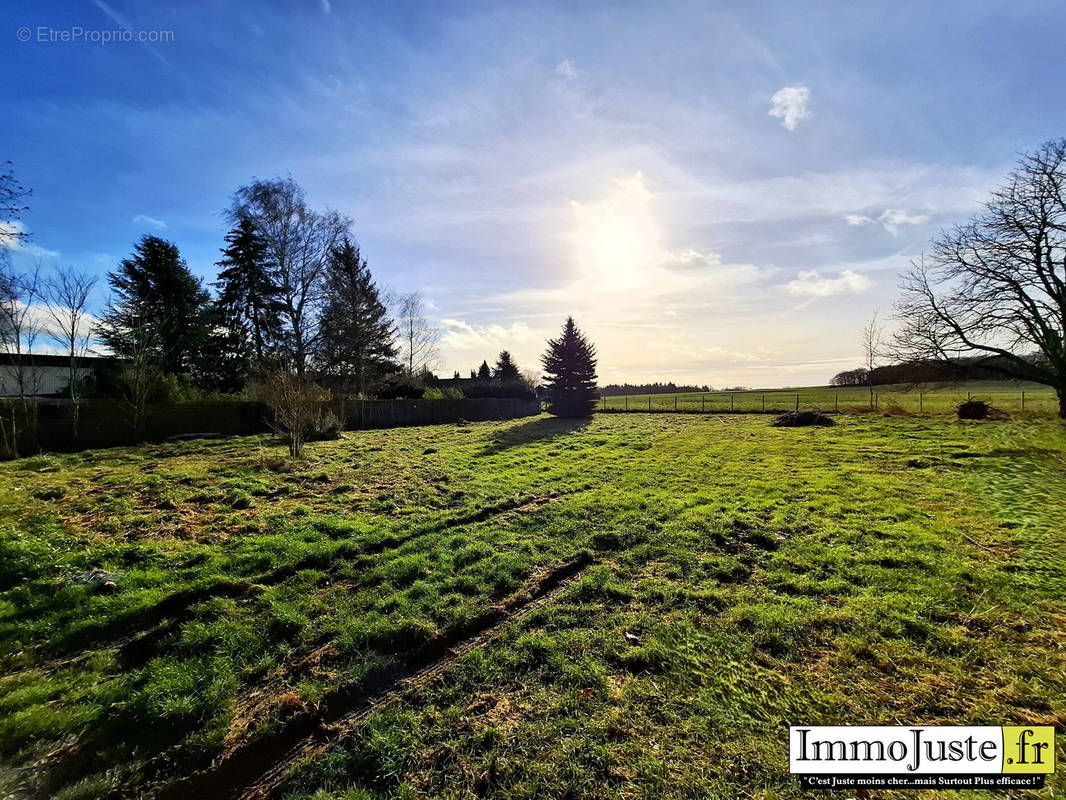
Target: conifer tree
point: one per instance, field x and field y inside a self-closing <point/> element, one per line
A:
<point x="159" y="301"/>
<point x="506" y="370"/>
<point x="484" y="373"/>
<point x="356" y="334"/>
<point x="570" y="373"/>
<point x="249" y="296"/>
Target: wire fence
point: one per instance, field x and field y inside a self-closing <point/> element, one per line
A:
<point x="1022" y="401"/>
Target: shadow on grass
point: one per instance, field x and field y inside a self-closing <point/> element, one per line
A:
<point x="542" y="429"/>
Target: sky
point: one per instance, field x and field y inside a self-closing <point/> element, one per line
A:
<point x="718" y="192"/>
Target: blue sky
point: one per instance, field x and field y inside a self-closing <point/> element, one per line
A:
<point x="719" y="192"/>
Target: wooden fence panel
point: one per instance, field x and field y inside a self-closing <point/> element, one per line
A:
<point x="105" y="423"/>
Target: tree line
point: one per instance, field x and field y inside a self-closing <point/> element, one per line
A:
<point x="295" y="312"/>
<point x="922" y="372"/>
<point x="614" y="389"/>
<point x="294" y="291"/>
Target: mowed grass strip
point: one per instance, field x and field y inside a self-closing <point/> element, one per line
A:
<point x="882" y="571"/>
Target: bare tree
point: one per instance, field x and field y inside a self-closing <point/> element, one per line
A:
<point x="295" y="402"/>
<point x="140" y="373"/>
<point x="66" y="298"/>
<point x="995" y="287"/>
<point x="299" y="242"/>
<point x="872" y="335"/>
<point x="418" y="335"/>
<point x="21" y="326"/>
<point x="12" y="205"/>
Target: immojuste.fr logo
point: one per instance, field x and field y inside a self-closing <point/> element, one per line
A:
<point x="955" y="757"/>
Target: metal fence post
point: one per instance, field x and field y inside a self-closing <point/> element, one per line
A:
<point x="627" y="403"/>
<point x="703" y="402"/>
<point x="1023" y="399"/>
<point x="797" y="401"/>
<point x="675" y="402"/>
<point x="764" y="402"/>
<point x="921" y="402"/>
<point x="649" y="402"/>
<point x="836" y="401"/>
<point x="730" y="402"/>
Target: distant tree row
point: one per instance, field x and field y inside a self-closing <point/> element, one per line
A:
<point x="503" y="380"/>
<point x="504" y="371"/>
<point x="613" y="389"/>
<point x="918" y="372"/>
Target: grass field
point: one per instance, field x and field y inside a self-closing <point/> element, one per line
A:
<point x="633" y="606"/>
<point x="1015" y="397"/>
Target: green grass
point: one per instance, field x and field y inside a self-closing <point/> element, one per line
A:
<point x="889" y="570"/>
<point x="1007" y="396"/>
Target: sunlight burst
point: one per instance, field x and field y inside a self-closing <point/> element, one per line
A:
<point x="617" y="239"/>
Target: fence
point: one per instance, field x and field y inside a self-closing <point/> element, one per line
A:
<point x="395" y="413"/>
<point x="1028" y="401"/>
<point x="108" y="424"/>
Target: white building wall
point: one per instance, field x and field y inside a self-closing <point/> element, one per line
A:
<point x="38" y="379"/>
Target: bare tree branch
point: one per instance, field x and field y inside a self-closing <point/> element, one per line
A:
<point x="995" y="287"/>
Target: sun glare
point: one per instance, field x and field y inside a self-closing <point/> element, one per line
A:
<point x="617" y="238"/>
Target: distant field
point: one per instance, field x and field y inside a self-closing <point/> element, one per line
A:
<point x="635" y="606"/>
<point x="933" y="399"/>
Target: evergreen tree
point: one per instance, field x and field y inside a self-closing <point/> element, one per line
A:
<point x="249" y="297"/>
<point x="473" y="374"/>
<point x="506" y="370"/>
<point x="225" y="363"/>
<point x="483" y="372"/>
<point x="157" y="301"/>
<point x="356" y="334"/>
<point x="570" y="373"/>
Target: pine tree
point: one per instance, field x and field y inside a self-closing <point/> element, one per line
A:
<point x="483" y="372"/>
<point x="225" y="363"/>
<point x="160" y="311"/>
<point x="506" y="370"/>
<point x="356" y="339"/>
<point x="570" y="373"/>
<point x="249" y="297"/>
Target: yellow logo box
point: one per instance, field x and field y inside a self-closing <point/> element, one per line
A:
<point x="1028" y="749"/>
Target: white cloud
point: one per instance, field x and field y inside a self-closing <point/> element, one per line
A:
<point x="37" y="318"/>
<point x="810" y="283"/>
<point x="693" y="259"/>
<point x="144" y="219"/>
<point x="461" y="335"/>
<point x="327" y="8"/>
<point x="893" y="219"/>
<point x="791" y="104"/>
<point x="465" y="345"/>
<point x="10" y="240"/>
<point x="566" y="68"/>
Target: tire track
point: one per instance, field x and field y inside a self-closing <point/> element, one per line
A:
<point x="134" y="633"/>
<point x="257" y="770"/>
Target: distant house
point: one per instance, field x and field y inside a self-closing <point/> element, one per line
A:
<point x="42" y="375"/>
